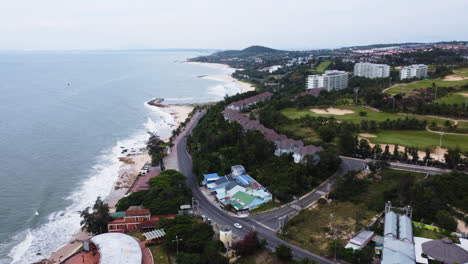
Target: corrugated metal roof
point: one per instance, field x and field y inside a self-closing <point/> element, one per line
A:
<point x="390" y="224"/>
<point x="397" y="252"/>
<point x="405" y="228"/>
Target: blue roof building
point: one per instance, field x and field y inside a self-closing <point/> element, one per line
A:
<point x="211" y="177"/>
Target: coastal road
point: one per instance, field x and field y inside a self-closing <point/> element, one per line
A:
<point x="220" y="217"/>
<point x="267" y="224"/>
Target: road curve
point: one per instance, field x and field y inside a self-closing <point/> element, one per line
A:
<point x="218" y="216"/>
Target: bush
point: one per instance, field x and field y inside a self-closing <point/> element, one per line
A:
<point x="283" y="252"/>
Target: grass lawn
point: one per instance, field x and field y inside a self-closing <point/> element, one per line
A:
<point x="420" y="232"/>
<point x="308" y="135"/>
<point x="323" y="66"/>
<point x="294" y="113"/>
<point x="461" y="72"/>
<point x="265" y="207"/>
<point x="420" y="138"/>
<point x="310" y="229"/>
<point x="454" y="98"/>
<point x="408" y="87"/>
<point x="159" y="255"/>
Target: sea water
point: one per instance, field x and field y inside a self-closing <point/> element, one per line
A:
<point x="64" y="119"/>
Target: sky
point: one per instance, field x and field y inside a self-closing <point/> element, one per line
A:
<point x="222" y="24"/>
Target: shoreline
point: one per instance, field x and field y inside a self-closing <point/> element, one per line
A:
<point x="131" y="163"/>
<point x="226" y="77"/>
<point x="127" y="175"/>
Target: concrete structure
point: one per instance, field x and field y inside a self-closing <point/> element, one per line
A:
<point x="115" y="248"/>
<point x="225" y="236"/>
<point x="398" y="246"/>
<point x="329" y="80"/>
<point x="417" y="71"/>
<point x="371" y="70"/>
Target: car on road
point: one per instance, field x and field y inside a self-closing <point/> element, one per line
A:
<point x="238" y="225"/>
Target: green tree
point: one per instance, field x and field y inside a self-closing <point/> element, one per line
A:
<point x="95" y="219"/>
<point x="283" y="252"/>
<point x="446" y="221"/>
<point x="156" y="150"/>
<point x="453" y="157"/>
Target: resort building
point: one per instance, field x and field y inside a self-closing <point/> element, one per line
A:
<point x="371" y="70"/>
<point x="417" y="71"/>
<point x="242" y="104"/>
<point x="283" y="144"/>
<point x="134" y="218"/>
<point x="237" y="189"/>
<point x="329" y="80"/>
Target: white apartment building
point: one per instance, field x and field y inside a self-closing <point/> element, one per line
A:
<point x="329" y="80"/>
<point x="371" y="70"/>
<point x="413" y="71"/>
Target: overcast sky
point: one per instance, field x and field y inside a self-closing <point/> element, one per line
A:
<point x="227" y="24"/>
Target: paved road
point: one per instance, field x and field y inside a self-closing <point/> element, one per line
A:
<point x="220" y="217"/>
<point x="268" y="223"/>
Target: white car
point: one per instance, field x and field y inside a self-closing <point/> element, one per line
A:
<point x="238" y="225"/>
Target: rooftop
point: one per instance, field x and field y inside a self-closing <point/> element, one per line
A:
<point x="117" y="248"/>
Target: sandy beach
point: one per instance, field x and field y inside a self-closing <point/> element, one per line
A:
<point x="226" y="77"/>
<point x="131" y="165"/>
<point x="128" y="173"/>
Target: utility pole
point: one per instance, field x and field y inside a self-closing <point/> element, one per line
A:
<point x="177" y="242"/>
<point x="356" y="90"/>
<point x="440" y="145"/>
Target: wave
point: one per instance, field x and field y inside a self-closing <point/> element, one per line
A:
<point x="36" y="244"/>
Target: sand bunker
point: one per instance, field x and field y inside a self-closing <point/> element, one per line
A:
<point x="454" y="77"/>
<point x="367" y="135"/>
<point x="463" y="94"/>
<point x="331" y="111"/>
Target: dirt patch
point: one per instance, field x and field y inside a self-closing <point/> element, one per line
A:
<point x="127" y="160"/>
<point x="454" y="77"/>
<point x="461" y="226"/>
<point x="367" y="135"/>
<point x="463" y="94"/>
<point x="331" y="111"/>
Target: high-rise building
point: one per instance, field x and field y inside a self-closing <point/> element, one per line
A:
<point x="371" y="70"/>
<point x="413" y="71"/>
<point x="329" y="80"/>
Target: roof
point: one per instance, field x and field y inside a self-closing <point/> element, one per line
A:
<point x="397" y="251"/>
<point x="118" y="214"/>
<point x="136" y="211"/>
<point x="445" y="250"/>
<point x="244" y="197"/>
<point x="362" y="238"/>
<point x="390" y="227"/>
<point x="308" y="150"/>
<point x="154" y="234"/>
<point x="211" y="176"/>
<point x="405" y="228"/>
<point x="117" y="248"/>
<point x="418" y="241"/>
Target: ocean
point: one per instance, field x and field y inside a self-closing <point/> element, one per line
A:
<point x="64" y="118"/>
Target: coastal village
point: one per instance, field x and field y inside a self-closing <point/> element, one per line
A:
<point x="226" y="210"/>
